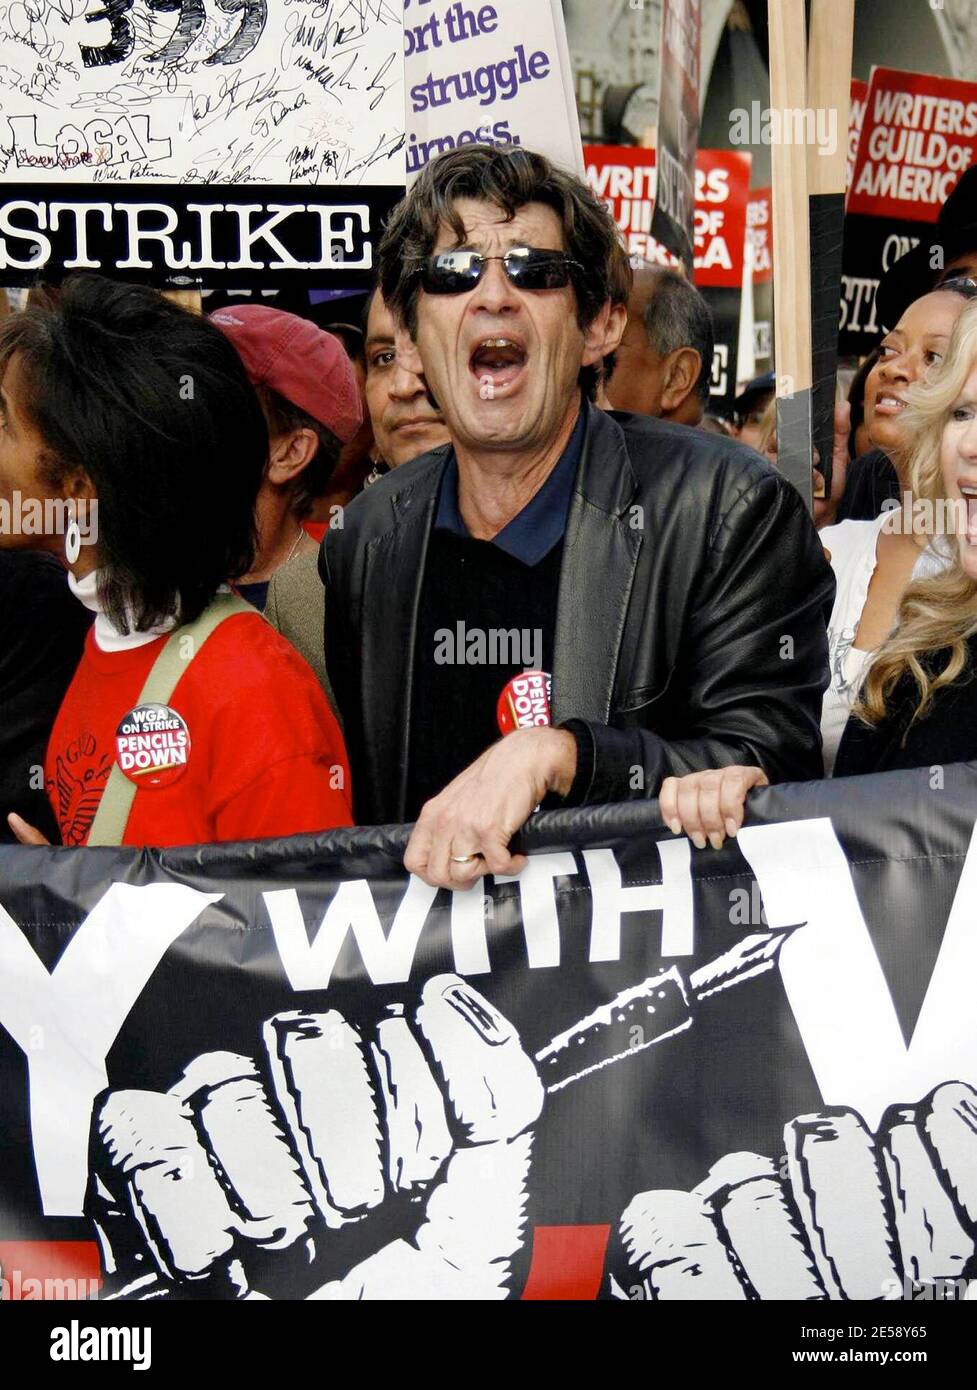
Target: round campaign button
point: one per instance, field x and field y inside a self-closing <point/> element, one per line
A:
<point x="152" y="746"/>
<point x="525" y="701"/>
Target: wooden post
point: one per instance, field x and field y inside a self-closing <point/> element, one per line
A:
<point x="791" y="247"/>
<point x="829" y="96"/>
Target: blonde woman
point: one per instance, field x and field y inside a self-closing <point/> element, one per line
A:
<point x="918" y="702"/>
<point x="875" y="561"/>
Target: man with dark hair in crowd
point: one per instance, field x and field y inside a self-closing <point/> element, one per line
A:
<point x="311" y="404"/>
<point x="655" y="572"/>
<point x="664" y="363"/>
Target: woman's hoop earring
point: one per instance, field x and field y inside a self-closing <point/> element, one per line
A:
<point x="72" y="540"/>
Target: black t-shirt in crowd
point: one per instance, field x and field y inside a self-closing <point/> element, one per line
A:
<point x="42" y="629"/>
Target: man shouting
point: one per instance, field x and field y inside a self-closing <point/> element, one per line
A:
<point x="669" y="581"/>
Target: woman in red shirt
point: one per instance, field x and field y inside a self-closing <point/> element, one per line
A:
<point x="129" y="430"/>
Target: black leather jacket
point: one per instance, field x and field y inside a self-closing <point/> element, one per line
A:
<point x="691" y="622"/>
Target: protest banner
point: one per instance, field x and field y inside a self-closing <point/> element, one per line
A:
<point x="624" y="177"/>
<point x="200" y="92"/>
<point x="859" y="98"/>
<point x="114" y="122"/>
<point x="722" y="183"/>
<point x="635" y="1071"/>
<point x="678" y="126"/>
<point x="223" y="236"/>
<point x="495" y="74"/>
<point x="918" y="136"/>
<point x="759" y="235"/>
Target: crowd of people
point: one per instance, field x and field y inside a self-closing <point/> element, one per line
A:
<point x="321" y="558"/>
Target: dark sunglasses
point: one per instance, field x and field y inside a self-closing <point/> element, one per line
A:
<point x="455" y="272"/>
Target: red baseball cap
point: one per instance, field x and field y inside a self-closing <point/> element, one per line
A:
<point x="303" y="363"/>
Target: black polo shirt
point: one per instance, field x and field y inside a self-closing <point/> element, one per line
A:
<point x="487" y="613"/>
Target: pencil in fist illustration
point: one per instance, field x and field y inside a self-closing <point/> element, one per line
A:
<point x="854" y="1215"/>
<point x="382" y="1162"/>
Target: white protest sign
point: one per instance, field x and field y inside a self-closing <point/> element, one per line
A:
<point x="202" y="91"/>
<point x="495" y="73"/>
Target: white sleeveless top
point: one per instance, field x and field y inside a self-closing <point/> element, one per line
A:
<point x="852" y="546"/>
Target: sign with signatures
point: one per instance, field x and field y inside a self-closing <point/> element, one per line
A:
<point x="202" y="91"/>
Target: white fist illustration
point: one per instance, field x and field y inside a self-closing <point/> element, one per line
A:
<point x="254" y="1175"/>
<point x="852" y="1218"/>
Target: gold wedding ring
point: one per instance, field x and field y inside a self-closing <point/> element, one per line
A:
<point x="463" y="858"/>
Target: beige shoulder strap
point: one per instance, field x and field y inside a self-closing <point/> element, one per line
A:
<point x="112" y="816"/>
